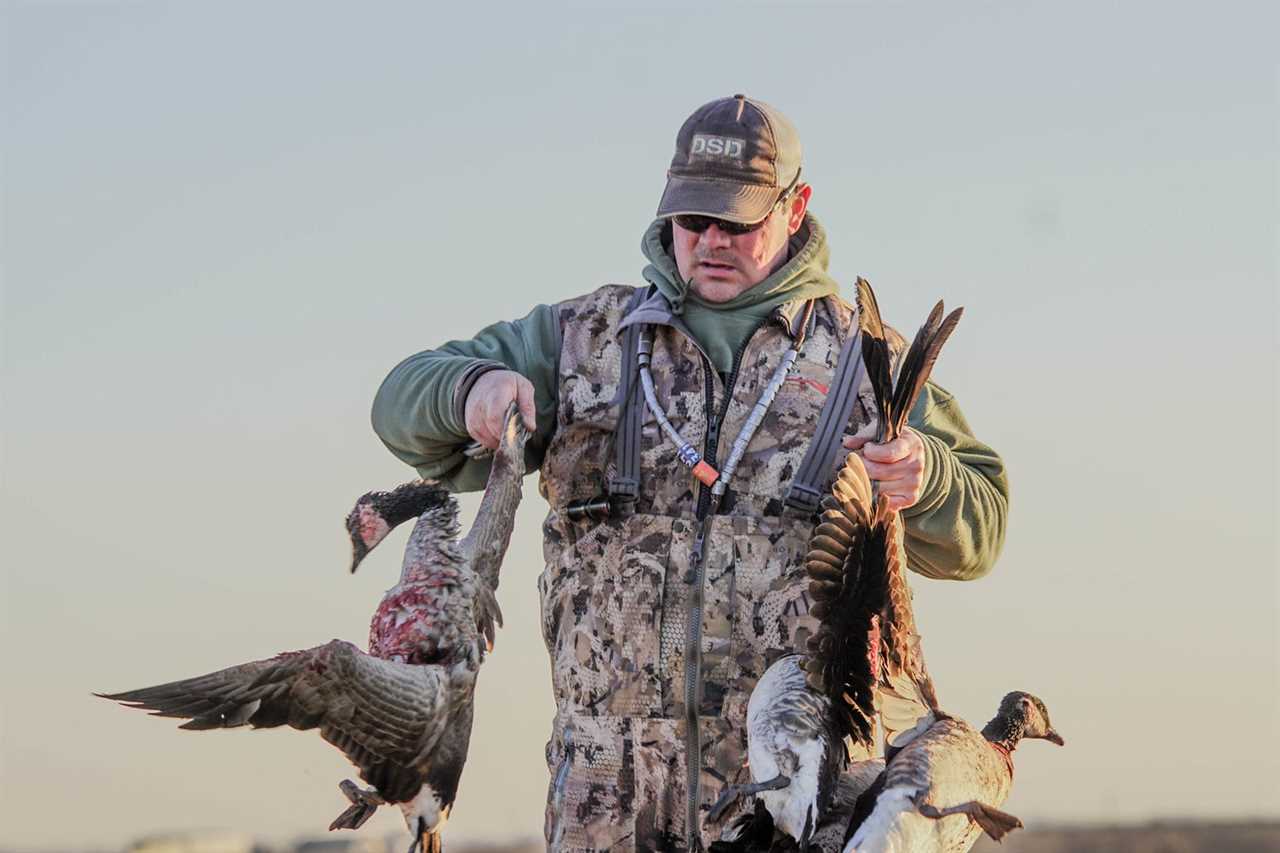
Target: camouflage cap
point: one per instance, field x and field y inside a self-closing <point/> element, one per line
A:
<point x="734" y="159"/>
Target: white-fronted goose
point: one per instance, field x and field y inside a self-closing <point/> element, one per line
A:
<point x="401" y="713"/>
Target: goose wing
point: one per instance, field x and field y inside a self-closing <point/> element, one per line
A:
<point x="386" y="717"/>
<point x="847" y="582"/>
<point x="908" y="700"/>
<point x="866" y="655"/>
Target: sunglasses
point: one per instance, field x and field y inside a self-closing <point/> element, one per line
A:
<point x="698" y="224"/>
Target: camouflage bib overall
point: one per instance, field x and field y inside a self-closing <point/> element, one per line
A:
<point x="616" y="595"/>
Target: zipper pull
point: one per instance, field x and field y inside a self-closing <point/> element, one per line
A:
<point x="699" y="546"/>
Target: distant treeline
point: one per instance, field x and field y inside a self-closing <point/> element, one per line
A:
<point x="1156" y="837"/>
<point x="1260" y="836"/>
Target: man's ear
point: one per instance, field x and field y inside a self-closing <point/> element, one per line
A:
<point x="799" y="204"/>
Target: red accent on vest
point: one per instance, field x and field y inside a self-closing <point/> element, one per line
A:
<point x="811" y="383"/>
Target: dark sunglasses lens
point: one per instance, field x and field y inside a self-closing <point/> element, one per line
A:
<point x="698" y="224"/>
<point x="736" y="227"/>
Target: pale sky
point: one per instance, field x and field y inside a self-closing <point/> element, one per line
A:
<point x="224" y="222"/>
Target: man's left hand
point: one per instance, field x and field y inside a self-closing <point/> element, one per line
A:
<point x="896" y="466"/>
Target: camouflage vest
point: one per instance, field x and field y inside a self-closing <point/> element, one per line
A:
<point x="615" y="612"/>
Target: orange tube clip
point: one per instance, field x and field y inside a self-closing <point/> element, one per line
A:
<point x="705" y="473"/>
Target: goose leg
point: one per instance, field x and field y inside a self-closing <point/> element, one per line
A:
<point x="732" y="792"/>
<point x="364" y="802"/>
<point x="421" y="840"/>
<point x="806" y="834"/>
<point x="994" y="822"/>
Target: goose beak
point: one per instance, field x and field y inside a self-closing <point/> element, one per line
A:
<point x="1054" y="737"/>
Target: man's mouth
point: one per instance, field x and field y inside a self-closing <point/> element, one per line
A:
<point x="717" y="265"/>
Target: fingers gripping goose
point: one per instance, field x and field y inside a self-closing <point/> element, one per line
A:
<point x="402" y="712"/>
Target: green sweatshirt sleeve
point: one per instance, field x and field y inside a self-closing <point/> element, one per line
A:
<point x="956" y="529"/>
<point x="418" y="410"/>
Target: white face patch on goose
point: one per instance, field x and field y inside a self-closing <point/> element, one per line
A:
<point x="372" y="526"/>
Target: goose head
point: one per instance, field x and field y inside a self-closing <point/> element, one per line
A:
<point x="1026" y="714"/>
<point x="1021" y="715"/>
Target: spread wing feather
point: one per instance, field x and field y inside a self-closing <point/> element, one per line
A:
<point x="919" y="360"/>
<point x="386" y="717"/>
<point x="894" y="400"/>
<point x="876" y="359"/>
<point x="849" y="592"/>
<point x="907" y="696"/>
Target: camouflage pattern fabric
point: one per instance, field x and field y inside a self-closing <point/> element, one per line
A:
<point x="614" y="593"/>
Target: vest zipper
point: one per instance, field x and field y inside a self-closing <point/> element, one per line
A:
<point x="706" y="511"/>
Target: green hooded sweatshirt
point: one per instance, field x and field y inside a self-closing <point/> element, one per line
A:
<point x="954" y="531"/>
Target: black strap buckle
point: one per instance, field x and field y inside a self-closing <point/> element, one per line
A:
<point x="624" y="489"/>
<point x="599" y="508"/>
<point x="804" y="499"/>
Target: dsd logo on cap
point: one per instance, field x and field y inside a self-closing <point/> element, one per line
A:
<point x="708" y="145"/>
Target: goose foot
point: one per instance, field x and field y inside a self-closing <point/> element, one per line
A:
<point x="994" y="822"/>
<point x="364" y="802"/>
<point x="732" y="792"/>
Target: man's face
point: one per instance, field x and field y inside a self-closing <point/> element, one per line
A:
<point x="718" y="266"/>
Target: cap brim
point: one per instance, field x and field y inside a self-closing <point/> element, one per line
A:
<point x="745" y="203"/>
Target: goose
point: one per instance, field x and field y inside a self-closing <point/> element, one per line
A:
<point x="938" y="766"/>
<point x="402" y="712"/>
<point x="805" y="705"/>
<point x="948" y="762"/>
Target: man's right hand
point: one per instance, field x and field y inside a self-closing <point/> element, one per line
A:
<point x="487" y="402"/>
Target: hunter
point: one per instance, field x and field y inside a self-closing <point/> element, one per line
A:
<point x="684" y="431"/>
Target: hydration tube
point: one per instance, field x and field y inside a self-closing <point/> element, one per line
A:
<point x="688" y="454"/>
<point x="703" y="471"/>
<point x="753" y="422"/>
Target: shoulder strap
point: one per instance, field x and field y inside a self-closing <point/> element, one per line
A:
<point x="625" y="483"/>
<point x="805" y="493"/>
